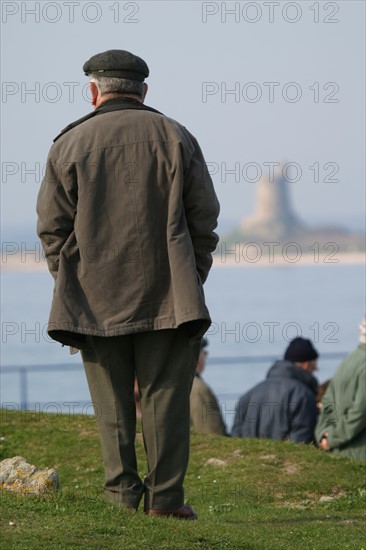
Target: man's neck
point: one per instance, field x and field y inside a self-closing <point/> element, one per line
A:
<point x="109" y="96"/>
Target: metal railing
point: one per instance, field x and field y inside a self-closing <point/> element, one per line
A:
<point x="25" y="371"/>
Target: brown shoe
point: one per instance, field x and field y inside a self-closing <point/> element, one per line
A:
<point x="184" y="512"/>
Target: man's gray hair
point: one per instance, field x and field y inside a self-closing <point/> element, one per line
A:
<point x="108" y="84"/>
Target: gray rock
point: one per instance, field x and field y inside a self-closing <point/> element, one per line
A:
<point x="19" y="476"/>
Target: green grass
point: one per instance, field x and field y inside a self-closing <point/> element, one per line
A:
<point x="268" y="494"/>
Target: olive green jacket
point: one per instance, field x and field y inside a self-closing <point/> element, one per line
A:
<point x="126" y="216"/>
<point x="343" y="414"/>
<point x="205" y="410"/>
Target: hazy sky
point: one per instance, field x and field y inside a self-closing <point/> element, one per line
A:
<point x="256" y="82"/>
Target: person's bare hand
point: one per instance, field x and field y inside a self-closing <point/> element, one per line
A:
<point x="323" y="444"/>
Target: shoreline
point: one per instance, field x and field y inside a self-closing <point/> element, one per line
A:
<point x="18" y="263"/>
<point x="342" y="258"/>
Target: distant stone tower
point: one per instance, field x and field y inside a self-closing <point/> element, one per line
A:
<point x="273" y="216"/>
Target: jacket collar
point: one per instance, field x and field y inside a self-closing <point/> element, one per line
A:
<point x="286" y="369"/>
<point x="116" y="104"/>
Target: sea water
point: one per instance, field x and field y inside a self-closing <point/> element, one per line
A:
<point x="255" y="311"/>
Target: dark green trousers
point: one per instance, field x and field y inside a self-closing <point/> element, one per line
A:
<point x="164" y="362"/>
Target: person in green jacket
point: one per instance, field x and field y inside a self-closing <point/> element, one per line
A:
<point x="341" y="425"/>
<point x="205" y="410"/>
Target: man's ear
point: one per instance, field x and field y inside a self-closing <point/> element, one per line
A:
<point x="146" y="87"/>
<point x="94" y="92"/>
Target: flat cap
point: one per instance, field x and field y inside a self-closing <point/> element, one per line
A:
<point x="117" y="64"/>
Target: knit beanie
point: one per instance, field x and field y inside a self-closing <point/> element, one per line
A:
<point x="300" y="350"/>
<point x="362" y="329"/>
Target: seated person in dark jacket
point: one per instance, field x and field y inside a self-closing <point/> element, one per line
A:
<point x="284" y="405"/>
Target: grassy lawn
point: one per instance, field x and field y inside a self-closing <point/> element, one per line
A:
<point x="263" y="494"/>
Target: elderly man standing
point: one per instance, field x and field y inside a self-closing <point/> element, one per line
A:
<point x="126" y="215"/>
